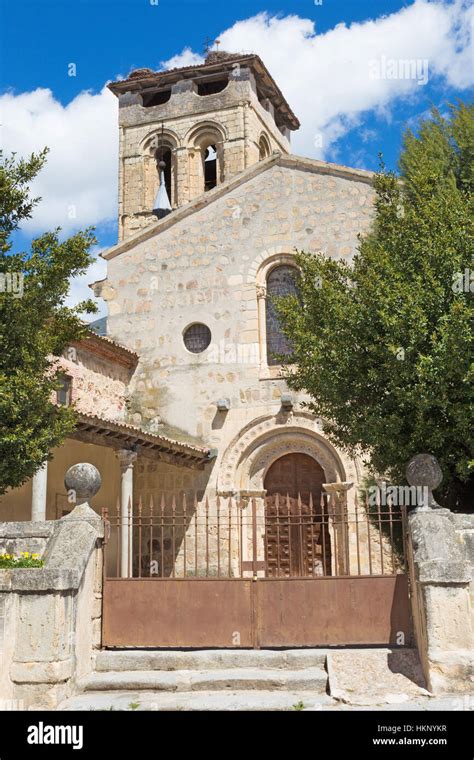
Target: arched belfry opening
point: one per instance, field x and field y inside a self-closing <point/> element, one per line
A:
<point x="263" y="147"/>
<point x="164" y="157"/>
<point x="221" y="116"/>
<point x="210" y="167"/>
<point x="206" y="157"/>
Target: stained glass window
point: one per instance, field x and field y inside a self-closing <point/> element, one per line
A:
<point x="280" y="282"/>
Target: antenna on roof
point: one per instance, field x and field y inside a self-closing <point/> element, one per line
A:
<point x="207" y="44"/>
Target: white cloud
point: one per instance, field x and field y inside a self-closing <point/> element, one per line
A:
<point x="325" y="77"/>
<point x="185" y="58"/>
<point x="80" y="290"/>
<point x="78" y="184"/>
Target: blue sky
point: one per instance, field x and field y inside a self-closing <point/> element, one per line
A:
<point x="318" y="52"/>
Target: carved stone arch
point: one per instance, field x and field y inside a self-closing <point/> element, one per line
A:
<point x="264" y="440"/>
<point x="203" y="131"/>
<point x="287" y="258"/>
<point x="150" y="142"/>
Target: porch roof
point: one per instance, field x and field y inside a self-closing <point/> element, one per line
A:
<point x="117" y="435"/>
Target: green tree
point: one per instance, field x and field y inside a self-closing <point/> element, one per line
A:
<point x="384" y="345"/>
<point x="35" y="326"/>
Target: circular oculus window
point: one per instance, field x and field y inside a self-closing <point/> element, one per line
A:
<point x="197" y="338"/>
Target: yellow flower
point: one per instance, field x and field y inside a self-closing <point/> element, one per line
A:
<point x="34" y="556"/>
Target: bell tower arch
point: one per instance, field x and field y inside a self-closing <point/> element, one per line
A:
<point x="192" y="129"/>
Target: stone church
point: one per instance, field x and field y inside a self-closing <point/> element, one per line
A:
<point x="189" y="288"/>
<point x="183" y="394"/>
<point x="230" y="520"/>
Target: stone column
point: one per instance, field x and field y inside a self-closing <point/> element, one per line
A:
<point x="127" y="459"/>
<point x="38" y="494"/>
<point x="262" y="327"/>
<point x="338" y="525"/>
<point x="439" y="563"/>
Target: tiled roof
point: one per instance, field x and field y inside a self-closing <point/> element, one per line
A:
<point x="120" y="435"/>
<point x="144" y="77"/>
<point x="113" y="350"/>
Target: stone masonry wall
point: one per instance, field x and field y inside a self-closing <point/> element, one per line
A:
<point x="241" y="119"/>
<point x="50" y="617"/>
<point x="205" y="269"/>
<point x="98" y="384"/>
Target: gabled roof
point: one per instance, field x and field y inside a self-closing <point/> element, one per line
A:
<point x="277" y="159"/>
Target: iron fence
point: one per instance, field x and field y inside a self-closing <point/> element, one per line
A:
<point x="272" y="537"/>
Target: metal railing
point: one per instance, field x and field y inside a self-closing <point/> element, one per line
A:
<point x="272" y="537"/>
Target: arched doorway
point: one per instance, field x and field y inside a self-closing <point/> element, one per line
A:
<point x="297" y="539"/>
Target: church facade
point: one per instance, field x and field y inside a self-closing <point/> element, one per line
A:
<point x="190" y="290"/>
<point x="184" y="395"/>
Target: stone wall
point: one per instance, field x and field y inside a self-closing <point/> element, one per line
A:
<point x="235" y="116"/>
<point x="50" y="617"/>
<point x="440" y="560"/>
<point x="98" y="384"/>
<point x="207" y="267"/>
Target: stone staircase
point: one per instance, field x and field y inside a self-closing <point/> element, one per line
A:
<point x="204" y="680"/>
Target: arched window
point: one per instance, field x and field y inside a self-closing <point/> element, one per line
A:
<point x="164" y="154"/>
<point x="263" y="147"/>
<point x="281" y="281"/>
<point x="209" y="156"/>
<point x="206" y="157"/>
<point x="157" y="147"/>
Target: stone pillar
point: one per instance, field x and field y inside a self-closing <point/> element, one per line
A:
<point x="338" y="526"/>
<point x="253" y="530"/>
<point x="38" y="494"/>
<point x="439" y="563"/>
<point x="127" y="459"/>
<point x="262" y="326"/>
<point x="54" y="611"/>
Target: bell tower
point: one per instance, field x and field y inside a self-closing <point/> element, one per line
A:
<point x="185" y="131"/>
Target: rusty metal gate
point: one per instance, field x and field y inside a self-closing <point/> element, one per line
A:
<point x="276" y="572"/>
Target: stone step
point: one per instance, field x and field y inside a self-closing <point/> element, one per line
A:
<point x="233" y="679"/>
<point x="199" y="700"/>
<point x="127" y="660"/>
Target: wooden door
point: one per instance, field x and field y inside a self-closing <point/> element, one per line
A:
<point x="296" y="540"/>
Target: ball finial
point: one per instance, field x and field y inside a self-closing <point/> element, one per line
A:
<point x="424" y="473"/>
<point x="83" y="480"/>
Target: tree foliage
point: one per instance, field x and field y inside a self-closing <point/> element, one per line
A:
<point x="384" y="345"/>
<point x="35" y="326"/>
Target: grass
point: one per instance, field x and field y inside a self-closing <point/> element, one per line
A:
<point x="299" y="706"/>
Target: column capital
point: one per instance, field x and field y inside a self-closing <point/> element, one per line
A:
<point x="126" y="458"/>
<point x="338" y="488"/>
<point x="261" y="291"/>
